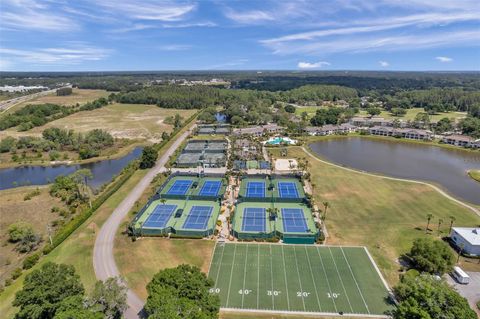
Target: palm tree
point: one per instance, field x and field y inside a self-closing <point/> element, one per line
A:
<point x="325" y="207"/>
<point x="440" y="221"/>
<point x="429" y="217"/>
<point x="452" y="220"/>
<point x="460" y="251"/>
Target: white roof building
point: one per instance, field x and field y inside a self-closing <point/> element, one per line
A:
<point x="468" y="237"/>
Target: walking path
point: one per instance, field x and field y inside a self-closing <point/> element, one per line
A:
<point x="103" y="258"/>
<point x="470" y="207"/>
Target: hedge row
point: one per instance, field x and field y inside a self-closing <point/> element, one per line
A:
<point x="78" y="220"/>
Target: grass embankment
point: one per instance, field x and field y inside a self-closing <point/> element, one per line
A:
<point x="382" y="214"/>
<point x="14" y="208"/>
<point x="80" y="96"/>
<point x="475" y="175"/>
<point x="77" y="250"/>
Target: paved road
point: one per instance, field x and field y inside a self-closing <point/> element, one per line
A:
<point x="471" y="291"/>
<point x="103" y="258"/>
<point x="5" y="105"/>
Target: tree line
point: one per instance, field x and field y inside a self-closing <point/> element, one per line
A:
<point x="34" y="115"/>
<point x="54" y="139"/>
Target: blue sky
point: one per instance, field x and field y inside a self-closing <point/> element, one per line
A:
<point x="101" y="35"/>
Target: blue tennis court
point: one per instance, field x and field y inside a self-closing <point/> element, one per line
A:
<point x="255" y="189"/>
<point x="210" y="188"/>
<point x="180" y="187"/>
<point x="160" y="216"/>
<point x="198" y="217"/>
<point x="294" y="220"/>
<point x="254" y="219"/>
<point x="287" y="190"/>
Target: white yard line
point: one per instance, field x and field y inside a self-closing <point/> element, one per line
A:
<point x="285" y="273"/>
<point x="231" y="274"/>
<point x="220" y="265"/>
<point x="326" y="277"/>
<point x="271" y="278"/>
<point x="244" y="274"/>
<point x="341" y="280"/>
<point x="258" y="275"/>
<point x="355" y="279"/>
<point x="377" y="269"/>
<point x="311" y="274"/>
<point x="299" y="279"/>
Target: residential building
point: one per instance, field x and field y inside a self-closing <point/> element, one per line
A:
<point x="415" y="134"/>
<point x="460" y="140"/>
<point x="259" y="130"/>
<point x="467" y="239"/>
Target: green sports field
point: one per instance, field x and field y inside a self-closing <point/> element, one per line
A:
<point x="297" y="278"/>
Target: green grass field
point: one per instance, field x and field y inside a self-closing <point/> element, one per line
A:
<point x="411" y="113"/>
<point x="297" y="278"/>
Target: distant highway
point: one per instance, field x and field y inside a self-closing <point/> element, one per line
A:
<point x="5" y="105"/>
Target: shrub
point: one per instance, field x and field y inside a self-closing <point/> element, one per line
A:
<point x="16" y="273"/>
<point x="17" y="231"/>
<point x="30" y="261"/>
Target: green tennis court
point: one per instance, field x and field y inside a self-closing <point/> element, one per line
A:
<point x="297" y="278"/>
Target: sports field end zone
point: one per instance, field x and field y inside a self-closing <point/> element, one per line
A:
<point x="298" y="279"/>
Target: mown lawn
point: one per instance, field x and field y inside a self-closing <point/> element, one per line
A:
<point x="384" y="215"/>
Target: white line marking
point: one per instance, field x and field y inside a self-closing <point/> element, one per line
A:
<point x="231" y="273"/>
<point x="299" y="279"/>
<point x="341" y="280"/>
<point x="313" y="278"/>
<point x="326" y="277"/>
<point x="356" y="283"/>
<point x="271" y="272"/>
<point x="219" y="266"/>
<point x="286" y="283"/>
<point x="244" y="274"/>
<point x="258" y="274"/>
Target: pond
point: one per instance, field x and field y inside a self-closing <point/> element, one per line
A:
<point x="445" y="167"/>
<point x="102" y="171"/>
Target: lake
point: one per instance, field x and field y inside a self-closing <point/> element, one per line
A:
<point x="445" y="167"/>
<point x="102" y="171"/>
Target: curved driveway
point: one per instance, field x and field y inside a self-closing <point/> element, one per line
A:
<point x="103" y="258"/>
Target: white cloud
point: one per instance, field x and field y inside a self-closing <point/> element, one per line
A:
<point x="174" y="47"/>
<point x="73" y="54"/>
<point x="377" y="43"/>
<point x="247" y="17"/>
<point x="33" y="15"/>
<point x="309" y="65"/>
<point x="149" y="9"/>
<point x="444" y="59"/>
<point x="383" y="64"/>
